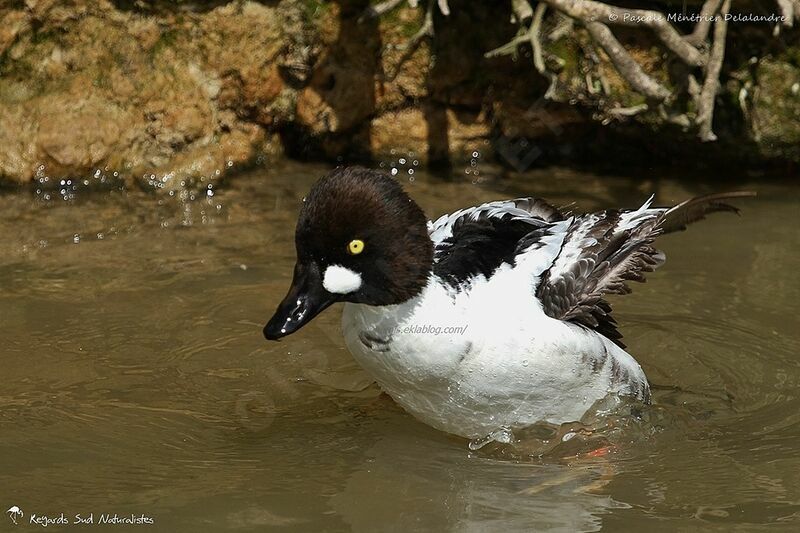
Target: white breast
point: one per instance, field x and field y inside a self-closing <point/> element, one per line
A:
<point x="510" y="367"/>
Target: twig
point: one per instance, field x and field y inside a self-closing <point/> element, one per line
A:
<point x="705" y="102"/>
<point x="522" y="10"/>
<point x="425" y="31"/>
<point x="590" y="11"/>
<point x="787" y="10"/>
<point x="628" y="68"/>
<point x="700" y="33"/>
<point x="590" y="89"/>
<point x="563" y="27"/>
<point x="744" y="92"/>
<point x="628" y="111"/>
<point x="536" y="43"/>
<point x="375" y="11"/>
<point x="409" y="47"/>
<point x="679" y="119"/>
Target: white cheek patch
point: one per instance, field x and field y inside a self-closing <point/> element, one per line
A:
<point x="341" y="280"/>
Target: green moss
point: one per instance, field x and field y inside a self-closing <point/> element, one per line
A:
<point x="312" y="9"/>
<point x="405" y="26"/>
<point x="36" y="46"/>
<point x="13" y="91"/>
<point x="568" y="52"/>
<point x="45" y="36"/>
<point x="166" y="40"/>
<point x="792" y="56"/>
<point x="102" y="80"/>
<point x="777" y="109"/>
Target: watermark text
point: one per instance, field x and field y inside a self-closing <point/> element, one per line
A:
<point x="429" y="329"/>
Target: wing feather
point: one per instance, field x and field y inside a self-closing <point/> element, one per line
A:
<point x="477" y="240"/>
<point x="602" y="252"/>
<point x="694" y="209"/>
<point x="533" y="211"/>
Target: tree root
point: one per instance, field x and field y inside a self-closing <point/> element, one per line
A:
<point x="705" y="101"/>
<point x="409" y="47"/>
<point x="700" y="34"/>
<point x="627" y="67"/>
<point x="376" y="10"/>
<point x="694" y="49"/>
<point x="588" y="11"/>
<point x="690" y="49"/>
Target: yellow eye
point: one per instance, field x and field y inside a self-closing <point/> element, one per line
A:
<point x="355" y="247"/>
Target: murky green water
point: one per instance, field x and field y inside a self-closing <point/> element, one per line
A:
<point x="135" y="378"/>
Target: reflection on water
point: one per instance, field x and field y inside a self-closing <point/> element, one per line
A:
<point x="135" y="378"/>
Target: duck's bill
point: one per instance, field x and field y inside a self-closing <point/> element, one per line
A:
<point x="306" y="299"/>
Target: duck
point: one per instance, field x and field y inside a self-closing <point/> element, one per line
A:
<point x="491" y="318"/>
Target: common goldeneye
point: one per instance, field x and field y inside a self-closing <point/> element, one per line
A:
<point x="493" y="317"/>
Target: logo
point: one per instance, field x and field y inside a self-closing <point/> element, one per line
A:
<point x="14" y="513"/>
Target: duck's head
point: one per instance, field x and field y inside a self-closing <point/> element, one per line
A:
<point x="360" y="238"/>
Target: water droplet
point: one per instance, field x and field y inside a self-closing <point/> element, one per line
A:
<point x="524" y="362"/>
<point x="502" y="435"/>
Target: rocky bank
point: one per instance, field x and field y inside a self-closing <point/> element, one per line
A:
<point x="161" y="94"/>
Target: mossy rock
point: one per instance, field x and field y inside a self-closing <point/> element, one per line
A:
<point x="776" y="110"/>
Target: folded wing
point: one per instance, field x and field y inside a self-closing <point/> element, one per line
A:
<point x="477" y="240"/>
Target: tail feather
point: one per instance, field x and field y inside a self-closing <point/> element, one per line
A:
<point x="678" y="217"/>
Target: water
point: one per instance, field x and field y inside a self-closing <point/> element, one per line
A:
<point x="135" y="378"/>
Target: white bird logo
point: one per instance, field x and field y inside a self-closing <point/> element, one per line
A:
<point x="15" y="512"/>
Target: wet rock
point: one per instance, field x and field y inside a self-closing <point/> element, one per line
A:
<point x="18" y="152"/>
<point x="430" y="130"/>
<point x="170" y="93"/>
<point x="12" y="23"/>
<point x="77" y="138"/>
<point x="340" y="95"/>
<point x="161" y="93"/>
<point x="405" y="130"/>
